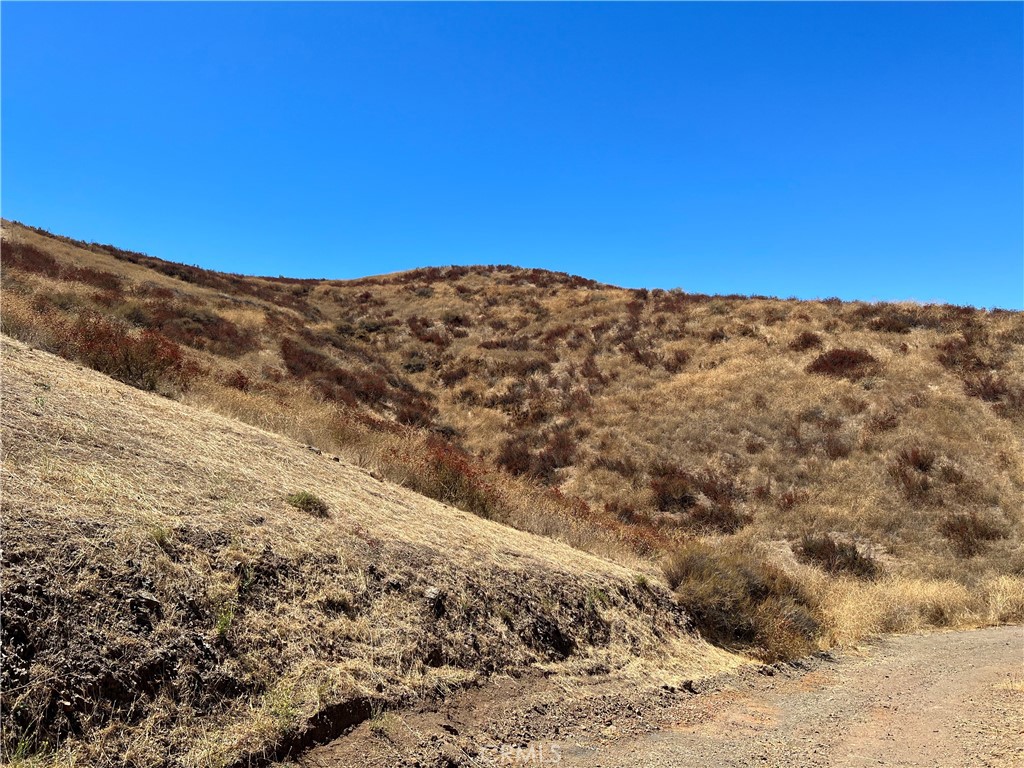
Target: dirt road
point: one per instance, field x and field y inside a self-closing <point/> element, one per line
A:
<point x="951" y="699"/>
<point x="948" y="700"/>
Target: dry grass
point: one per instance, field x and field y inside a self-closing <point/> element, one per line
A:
<point x="626" y="424"/>
<point x="159" y="580"/>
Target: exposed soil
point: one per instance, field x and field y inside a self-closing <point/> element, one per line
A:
<point x="949" y="699"/>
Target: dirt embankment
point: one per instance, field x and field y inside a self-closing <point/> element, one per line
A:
<point x="952" y="699"/>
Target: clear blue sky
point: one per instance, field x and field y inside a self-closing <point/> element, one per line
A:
<point x="871" y="151"/>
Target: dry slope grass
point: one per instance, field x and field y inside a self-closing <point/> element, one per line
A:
<point x="165" y="604"/>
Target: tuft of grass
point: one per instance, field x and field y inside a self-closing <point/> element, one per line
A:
<point x="310" y="503"/>
<point x="225" y="616"/>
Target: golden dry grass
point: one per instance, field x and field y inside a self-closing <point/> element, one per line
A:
<point x="113" y="496"/>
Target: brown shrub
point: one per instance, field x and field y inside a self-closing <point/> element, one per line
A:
<point x="451" y="376"/>
<point x="28" y="258"/>
<point x="987" y="386"/>
<point x="805" y="340"/>
<point x="790" y="498"/>
<point x="515" y="456"/>
<point x="970" y="533"/>
<point x="850" y="364"/>
<point x="836" y="556"/>
<point x="707" y="497"/>
<point x="910" y="470"/>
<point x="673" y="488"/>
<point x="452" y="476"/>
<point x="105" y="281"/>
<point x="836" y="446"/>
<point x="239" y="380"/>
<point x="676" y="360"/>
<point x="422" y="329"/>
<point x="892" y="319"/>
<point x="624" y="466"/>
<point x="957" y="354"/>
<point x="558" y="452"/>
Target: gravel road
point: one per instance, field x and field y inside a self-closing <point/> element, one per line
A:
<point x="950" y="699"/>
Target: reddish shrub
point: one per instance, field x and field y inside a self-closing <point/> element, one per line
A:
<point x="451" y="376"/>
<point x="805" y="340"/>
<point x="415" y="413"/>
<point x="560" y="451"/>
<point x="673" y="488"/>
<point x="987" y="386"/>
<point x="910" y="468"/>
<point x="422" y="329"/>
<point x="238" y="380"/>
<point x="676" y="360"/>
<point x="106" y="281"/>
<point x="28" y="258"/>
<point x="145" y="361"/>
<point x="957" y="354"/>
<point x="850" y="364"/>
<point x="790" y="498"/>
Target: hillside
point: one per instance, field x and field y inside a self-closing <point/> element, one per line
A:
<point x="164" y="603"/>
<point x="802" y="473"/>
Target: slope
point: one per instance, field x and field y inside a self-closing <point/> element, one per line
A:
<point x="164" y="604"/>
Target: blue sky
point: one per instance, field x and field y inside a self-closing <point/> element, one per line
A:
<point x="871" y="151"/>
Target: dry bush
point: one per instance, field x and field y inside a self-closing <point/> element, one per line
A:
<point x="836" y="556"/>
<point x="738" y="599"/>
<point x="673" y="488"/>
<point x="805" y="340"/>
<point x="970" y="533"/>
<point x="911" y="470"/>
<point x="708" y="498"/>
<point x="238" y="379"/>
<point x="893" y="319"/>
<point x="987" y="386"/>
<point x="450" y="475"/>
<point x="857" y="608"/>
<point x="850" y="364"/>
<point x="148" y="360"/>
<point x="622" y="465"/>
<point x="957" y="353"/>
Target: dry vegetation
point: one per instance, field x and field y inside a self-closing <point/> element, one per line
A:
<point x="183" y="589"/>
<point x="808" y="472"/>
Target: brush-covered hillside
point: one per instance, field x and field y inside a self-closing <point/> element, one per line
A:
<point x="801" y="473"/>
